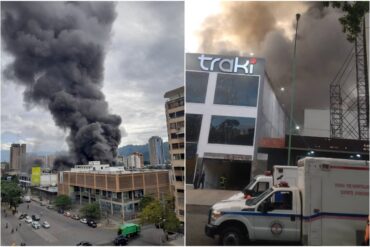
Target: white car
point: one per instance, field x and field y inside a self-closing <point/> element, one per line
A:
<point x="45" y="224"/>
<point x="28" y="219"/>
<point x="36" y="225"/>
<point x="83" y="220"/>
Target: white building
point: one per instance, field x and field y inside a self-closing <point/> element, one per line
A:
<point x="156" y="153"/>
<point x="230" y="107"/>
<point x="134" y="161"/>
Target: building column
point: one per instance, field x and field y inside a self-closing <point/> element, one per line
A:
<point x="80" y="195"/>
<point x="89" y="195"/>
<point x="122" y="208"/>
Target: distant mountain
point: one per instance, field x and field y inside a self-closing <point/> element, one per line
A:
<point x="144" y="149"/>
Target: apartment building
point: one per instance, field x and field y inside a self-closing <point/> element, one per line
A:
<point x="175" y="128"/>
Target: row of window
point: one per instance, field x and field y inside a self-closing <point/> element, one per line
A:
<point x="175" y="104"/>
<point x="176" y="114"/>
<point x="238" y="90"/>
<point x="223" y="130"/>
<point x="177" y="125"/>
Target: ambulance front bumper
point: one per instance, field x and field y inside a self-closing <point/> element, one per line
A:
<point x="211" y="230"/>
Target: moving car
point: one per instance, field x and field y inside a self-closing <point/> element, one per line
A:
<point x="45" y="224"/>
<point x="67" y="214"/>
<point x="36" y="225"/>
<point x="22" y="216"/>
<point x="42" y="203"/>
<point x="27" y="198"/>
<point x="120" y="240"/>
<point x="28" y="219"/>
<point x="35" y="217"/>
<point x="50" y="206"/>
<point x="75" y="217"/>
<point x="84" y="243"/>
<point x="83" y="220"/>
<point x="91" y="223"/>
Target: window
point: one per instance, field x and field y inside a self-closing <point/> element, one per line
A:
<point x="191" y="150"/>
<point x="281" y="200"/>
<point x="232" y="130"/>
<point x="261" y="187"/>
<point x="236" y="90"/>
<point x="196" y="87"/>
<point x="193" y="124"/>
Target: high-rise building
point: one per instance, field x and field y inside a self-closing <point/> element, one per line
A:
<point x="135" y="160"/>
<point x="50" y="161"/>
<point x="156" y="153"/>
<point x="175" y="129"/>
<point x="17" y="156"/>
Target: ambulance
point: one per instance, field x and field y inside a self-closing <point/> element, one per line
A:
<point x="328" y="206"/>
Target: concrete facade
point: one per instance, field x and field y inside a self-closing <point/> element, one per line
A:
<point x="17" y="156"/>
<point x="175" y="128"/>
<point x="118" y="192"/>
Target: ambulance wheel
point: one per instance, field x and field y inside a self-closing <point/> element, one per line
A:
<point x="231" y="235"/>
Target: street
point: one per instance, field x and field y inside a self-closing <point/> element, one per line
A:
<point x="63" y="230"/>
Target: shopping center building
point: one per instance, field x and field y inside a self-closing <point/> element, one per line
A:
<point x="230" y="107"/>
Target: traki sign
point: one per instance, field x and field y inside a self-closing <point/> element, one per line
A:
<point x="230" y="65"/>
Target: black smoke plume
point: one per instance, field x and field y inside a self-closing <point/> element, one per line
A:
<point x="58" y="50"/>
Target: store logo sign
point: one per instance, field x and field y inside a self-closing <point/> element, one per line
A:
<point x="208" y="63"/>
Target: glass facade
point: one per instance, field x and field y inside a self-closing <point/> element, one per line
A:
<point x="232" y="130"/>
<point x="236" y="90"/>
<point x="196" y="87"/>
<point x="193" y="124"/>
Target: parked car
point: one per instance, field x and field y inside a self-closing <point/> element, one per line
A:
<point x="67" y="214"/>
<point x="83" y="220"/>
<point x="22" y="216"/>
<point x="61" y="211"/>
<point x="50" y="206"/>
<point x="91" y="223"/>
<point x="75" y="217"/>
<point x="84" y="243"/>
<point x="42" y="203"/>
<point x="45" y="224"/>
<point x="28" y="219"/>
<point x="35" y="217"/>
<point x="27" y="198"/>
<point x="120" y="240"/>
<point x="36" y="225"/>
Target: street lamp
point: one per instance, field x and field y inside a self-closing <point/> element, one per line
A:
<point x="293" y="90"/>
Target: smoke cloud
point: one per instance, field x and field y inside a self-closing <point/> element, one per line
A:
<point x="267" y="30"/>
<point x="58" y="50"/>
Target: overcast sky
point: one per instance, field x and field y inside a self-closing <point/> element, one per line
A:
<point x="144" y="60"/>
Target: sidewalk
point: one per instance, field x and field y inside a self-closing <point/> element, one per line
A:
<point x="206" y="197"/>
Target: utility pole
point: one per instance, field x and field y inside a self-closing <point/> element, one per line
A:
<point x="293" y="90"/>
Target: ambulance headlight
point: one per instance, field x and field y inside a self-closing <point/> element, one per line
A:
<point x="215" y="215"/>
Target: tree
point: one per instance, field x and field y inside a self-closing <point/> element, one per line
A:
<point x="91" y="211"/>
<point x="152" y="213"/>
<point x="144" y="201"/>
<point x="172" y="224"/>
<point x="354" y="14"/>
<point x="63" y="202"/>
<point x="11" y="193"/>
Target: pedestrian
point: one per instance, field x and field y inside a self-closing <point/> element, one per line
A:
<point x="20" y="224"/>
<point x="28" y="206"/>
<point x="6" y="226"/>
<point x="16" y="229"/>
<point x="202" y="178"/>
<point x="12" y="231"/>
<point x="196" y="178"/>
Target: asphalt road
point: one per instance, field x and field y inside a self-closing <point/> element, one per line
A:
<point x="196" y="219"/>
<point x="63" y="230"/>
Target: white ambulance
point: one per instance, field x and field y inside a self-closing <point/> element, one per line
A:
<point x="329" y="206"/>
<point x="261" y="183"/>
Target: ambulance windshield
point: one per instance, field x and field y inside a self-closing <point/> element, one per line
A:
<point x="257" y="199"/>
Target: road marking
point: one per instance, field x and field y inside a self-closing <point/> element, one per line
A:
<point x="45" y="235"/>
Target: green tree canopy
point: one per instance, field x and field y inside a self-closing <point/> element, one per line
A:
<point x="144" y="201"/>
<point x="91" y="211"/>
<point x="63" y="202"/>
<point x="354" y="14"/>
<point x="11" y="193"/>
<point x="152" y="213"/>
<point x="171" y="224"/>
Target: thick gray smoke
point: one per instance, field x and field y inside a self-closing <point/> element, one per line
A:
<point x="258" y="27"/>
<point x="58" y="50"/>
